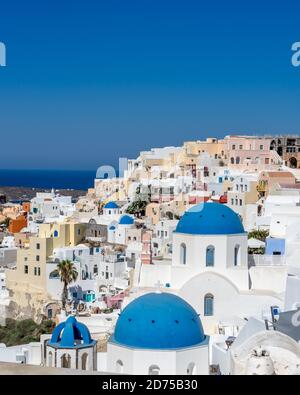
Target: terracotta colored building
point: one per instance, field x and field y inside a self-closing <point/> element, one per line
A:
<point x="16" y="225"/>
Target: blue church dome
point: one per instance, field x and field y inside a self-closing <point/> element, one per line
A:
<point x="210" y="219"/>
<point x="159" y="321"/>
<point x="126" y="220"/>
<point x="112" y="227"/>
<point x="71" y="334"/>
<point x="111" y="205"/>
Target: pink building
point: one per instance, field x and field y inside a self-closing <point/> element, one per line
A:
<point x="146" y="256"/>
<point x="116" y="300"/>
<point x="250" y="152"/>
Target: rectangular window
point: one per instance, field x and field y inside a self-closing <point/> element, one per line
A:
<point x="35" y="271"/>
<point x="232" y="202"/>
<point x="26" y="269"/>
<point x="39" y="271"/>
<point x="37" y="258"/>
<point x="233" y="147"/>
<point x="241" y="147"/>
<point x="261" y="147"/>
<point x="241" y="202"/>
<point x="38" y="246"/>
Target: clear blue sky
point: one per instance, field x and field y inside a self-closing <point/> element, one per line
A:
<point x="89" y="81"/>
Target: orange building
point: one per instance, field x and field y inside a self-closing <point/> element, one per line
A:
<point x="16" y="225"/>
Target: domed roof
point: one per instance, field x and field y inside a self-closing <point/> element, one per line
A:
<point x="71" y="334"/>
<point x="126" y="220"/>
<point x="111" y="205"/>
<point x="112" y="227"/>
<point x="158" y="321"/>
<point x="210" y="219"/>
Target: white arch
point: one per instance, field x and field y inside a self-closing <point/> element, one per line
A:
<point x="84" y="361"/>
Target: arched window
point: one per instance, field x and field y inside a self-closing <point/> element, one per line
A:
<point x="232" y="161"/>
<point x="183" y="254"/>
<point x="50" y="359"/>
<point x="65" y="361"/>
<point x="54" y="275"/>
<point x="119" y="366"/>
<point x="208" y="305"/>
<point x="210" y="256"/>
<point x="191" y="369"/>
<point x="84" y="360"/>
<point x="236" y="255"/>
<point x="153" y="370"/>
<point x="237" y="160"/>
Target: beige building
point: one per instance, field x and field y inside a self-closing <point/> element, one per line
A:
<point x="27" y="283"/>
<point x="214" y="147"/>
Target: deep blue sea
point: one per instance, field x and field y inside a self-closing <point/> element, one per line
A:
<point x="58" y="179"/>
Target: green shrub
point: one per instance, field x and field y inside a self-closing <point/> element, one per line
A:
<point x="23" y="332"/>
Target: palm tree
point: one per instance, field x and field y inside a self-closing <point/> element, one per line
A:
<point x="68" y="273"/>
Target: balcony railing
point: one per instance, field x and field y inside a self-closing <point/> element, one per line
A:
<point x="266" y="260"/>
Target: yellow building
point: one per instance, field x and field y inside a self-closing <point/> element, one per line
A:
<point x="27" y="283"/>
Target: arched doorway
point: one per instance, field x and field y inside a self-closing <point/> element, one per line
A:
<point x="273" y="145"/>
<point x="66" y="361"/>
<point x="169" y="215"/>
<point x="293" y="162"/>
<point x="84" y="361"/>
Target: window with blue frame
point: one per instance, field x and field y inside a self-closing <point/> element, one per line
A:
<point x="236" y="255"/>
<point x="210" y="256"/>
<point x="55" y="234"/>
<point x="183" y="254"/>
<point x="208" y="305"/>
